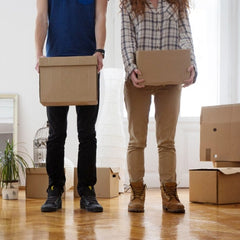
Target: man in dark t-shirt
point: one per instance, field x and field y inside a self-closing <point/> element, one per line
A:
<point x="72" y="28"/>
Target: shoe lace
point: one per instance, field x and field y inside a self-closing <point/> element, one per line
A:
<point x="92" y="200"/>
<point x="138" y="192"/>
<point x="53" y="193"/>
<point x="51" y="199"/>
<point x="171" y="192"/>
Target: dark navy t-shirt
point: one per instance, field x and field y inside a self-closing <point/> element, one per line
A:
<point x="71" y="30"/>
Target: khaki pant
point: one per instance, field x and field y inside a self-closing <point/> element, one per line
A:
<point x="167" y="105"/>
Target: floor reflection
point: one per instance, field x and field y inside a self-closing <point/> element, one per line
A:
<point x="137" y="226"/>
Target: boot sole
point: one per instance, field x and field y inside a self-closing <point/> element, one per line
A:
<point x="91" y="209"/>
<point x="136" y="210"/>
<point x="173" y="211"/>
<point x="46" y="209"/>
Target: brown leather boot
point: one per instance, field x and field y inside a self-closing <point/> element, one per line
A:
<point x="170" y="200"/>
<point x="137" y="198"/>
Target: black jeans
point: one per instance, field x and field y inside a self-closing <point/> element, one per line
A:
<point x="86" y="120"/>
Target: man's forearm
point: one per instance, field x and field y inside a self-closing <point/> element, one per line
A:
<point x="100" y="32"/>
<point x="100" y="26"/>
<point x="40" y="34"/>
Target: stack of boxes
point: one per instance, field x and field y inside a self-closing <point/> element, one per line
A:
<point x="219" y="143"/>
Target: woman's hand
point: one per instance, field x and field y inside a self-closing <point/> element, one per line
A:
<point x="189" y="81"/>
<point x="138" y="83"/>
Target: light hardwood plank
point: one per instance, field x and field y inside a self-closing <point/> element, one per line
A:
<point x="22" y="219"/>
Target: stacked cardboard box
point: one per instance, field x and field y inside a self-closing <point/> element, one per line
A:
<point x="37" y="183"/>
<point x="219" y="143"/>
<point x="220" y="135"/>
<point x="107" y="185"/>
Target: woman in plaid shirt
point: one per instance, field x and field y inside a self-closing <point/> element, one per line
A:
<point x="153" y="25"/>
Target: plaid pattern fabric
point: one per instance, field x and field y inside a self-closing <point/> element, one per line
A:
<point x="158" y="29"/>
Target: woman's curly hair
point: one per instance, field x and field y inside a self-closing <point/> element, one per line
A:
<point x="138" y="6"/>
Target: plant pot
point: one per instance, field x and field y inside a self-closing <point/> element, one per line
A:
<point x="10" y="192"/>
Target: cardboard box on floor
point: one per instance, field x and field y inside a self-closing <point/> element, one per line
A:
<point x="217" y="186"/>
<point x="68" y="81"/>
<point x="163" y="67"/>
<point x="36" y="183"/>
<point x="220" y="135"/>
<point x="107" y="185"/>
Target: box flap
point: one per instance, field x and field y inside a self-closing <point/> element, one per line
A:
<point x="229" y="171"/>
<point x="224" y="170"/>
<point x="65" y="61"/>
<point x="115" y="169"/>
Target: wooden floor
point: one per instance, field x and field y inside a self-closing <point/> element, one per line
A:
<point x="22" y="219"/>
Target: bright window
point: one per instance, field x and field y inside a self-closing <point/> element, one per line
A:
<point x="205" y="30"/>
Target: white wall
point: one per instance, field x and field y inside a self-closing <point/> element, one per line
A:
<point x="229" y="91"/>
<point x="113" y="41"/>
<point x="17" y="75"/>
<point x="238" y="47"/>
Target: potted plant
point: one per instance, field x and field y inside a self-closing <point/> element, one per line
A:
<point x="11" y="164"/>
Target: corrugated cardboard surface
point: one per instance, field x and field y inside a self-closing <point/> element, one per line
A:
<point x="220" y="133"/>
<point x="68" y="81"/>
<point x="36" y="183"/>
<point x="107" y="185"/>
<point x="162" y="67"/>
<point x="213" y="186"/>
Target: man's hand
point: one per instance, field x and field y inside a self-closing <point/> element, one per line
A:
<point x="99" y="60"/>
<point x="37" y="63"/>
<point x="189" y="81"/>
<point x="138" y="83"/>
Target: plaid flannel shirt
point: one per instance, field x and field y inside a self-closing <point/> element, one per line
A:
<point x="158" y="29"/>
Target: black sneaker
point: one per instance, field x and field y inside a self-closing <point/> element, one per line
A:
<point x="54" y="201"/>
<point x="89" y="202"/>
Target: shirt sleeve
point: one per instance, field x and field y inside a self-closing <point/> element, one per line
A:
<point x="128" y="43"/>
<point x="186" y="42"/>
